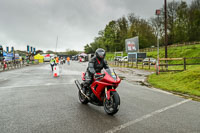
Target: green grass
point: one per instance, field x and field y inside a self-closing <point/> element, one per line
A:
<point x="179" y="52"/>
<point x="187" y="82"/>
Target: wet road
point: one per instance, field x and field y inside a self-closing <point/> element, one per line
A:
<point x="33" y="101"/>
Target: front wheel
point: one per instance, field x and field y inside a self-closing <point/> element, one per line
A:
<point x="111" y="106"/>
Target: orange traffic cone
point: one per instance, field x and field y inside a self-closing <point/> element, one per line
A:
<point x="55" y="72"/>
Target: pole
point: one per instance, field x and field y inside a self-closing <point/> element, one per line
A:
<point x="166" y="37"/>
<point x="56" y="44"/>
<point x="158" y="34"/>
<point x="157" y="63"/>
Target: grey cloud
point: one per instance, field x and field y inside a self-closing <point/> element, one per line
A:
<point x="38" y="22"/>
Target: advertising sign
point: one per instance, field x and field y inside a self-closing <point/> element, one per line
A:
<point x="28" y="48"/>
<point x="12" y="49"/>
<point x="34" y="50"/>
<point x="7" y="49"/>
<point x="132" y="44"/>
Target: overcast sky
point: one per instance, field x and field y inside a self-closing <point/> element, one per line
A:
<point x="76" y="22"/>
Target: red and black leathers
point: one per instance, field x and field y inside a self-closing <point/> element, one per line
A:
<point x="95" y="65"/>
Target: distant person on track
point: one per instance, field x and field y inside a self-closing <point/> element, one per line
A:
<point x="57" y="60"/>
<point x="61" y="60"/>
<point x="68" y="60"/>
<point x="52" y="63"/>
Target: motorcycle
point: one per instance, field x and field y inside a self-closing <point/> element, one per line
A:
<point x="103" y="92"/>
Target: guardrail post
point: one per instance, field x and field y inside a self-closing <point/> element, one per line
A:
<point x="142" y="65"/>
<point x="137" y="63"/>
<point x="149" y="64"/>
<point x="184" y="62"/>
<point x="132" y="63"/>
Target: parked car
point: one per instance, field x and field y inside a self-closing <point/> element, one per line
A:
<point x="125" y="58"/>
<point x="117" y="58"/>
<point x="152" y="61"/>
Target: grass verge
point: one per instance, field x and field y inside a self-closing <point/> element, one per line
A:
<point x="186" y="82"/>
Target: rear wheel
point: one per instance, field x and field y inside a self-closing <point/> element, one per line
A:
<point x="82" y="98"/>
<point x="111" y="106"/>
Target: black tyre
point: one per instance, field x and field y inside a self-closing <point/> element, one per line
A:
<point x="82" y="98"/>
<point x="111" y="106"/>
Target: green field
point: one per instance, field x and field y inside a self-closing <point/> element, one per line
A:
<point x="186" y="82"/>
<point x="173" y="52"/>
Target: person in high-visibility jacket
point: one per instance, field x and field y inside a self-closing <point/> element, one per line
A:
<point x="52" y="63"/>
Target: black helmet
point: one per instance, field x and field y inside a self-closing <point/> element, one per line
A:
<point x="100" y="53"/>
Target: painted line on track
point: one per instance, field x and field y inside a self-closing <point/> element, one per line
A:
<point x="48" y="84"/>
<point x="120" y="127"/>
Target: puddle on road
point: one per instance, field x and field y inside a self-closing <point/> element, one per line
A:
<point x="122" y="77"/>
<point x="143" y="83"/>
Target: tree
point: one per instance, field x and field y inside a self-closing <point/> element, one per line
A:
<point x="172" y="8"/>
<point x="50" y="52"/>
<point x="71" y="52"/>
<point x="194" y="21"/>
<point x="39" y="52"/>
<point x="181" y="23"/>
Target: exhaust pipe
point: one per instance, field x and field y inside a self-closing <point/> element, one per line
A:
<point x="79" y="88"/>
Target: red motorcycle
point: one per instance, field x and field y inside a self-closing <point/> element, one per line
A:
<point x="103" y="91"/>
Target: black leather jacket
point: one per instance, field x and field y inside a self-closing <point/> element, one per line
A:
<point x="95" y="65"/>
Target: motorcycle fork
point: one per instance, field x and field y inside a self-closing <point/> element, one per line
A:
<point x="107" y="93"/>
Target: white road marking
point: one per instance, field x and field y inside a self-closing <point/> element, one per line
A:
<point x="115" y="129"/>
<point x="152" y="89"/>
<point x="48" y="84"/>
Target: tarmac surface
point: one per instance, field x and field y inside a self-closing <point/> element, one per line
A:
<point x="33" y="101"/>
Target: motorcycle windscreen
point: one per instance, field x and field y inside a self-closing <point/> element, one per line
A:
<point x="111" y="73"/>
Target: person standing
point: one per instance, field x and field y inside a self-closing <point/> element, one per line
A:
<point x="68" y="60"/>
<point x="57" y="60"/>
<point x="52" y="62"/>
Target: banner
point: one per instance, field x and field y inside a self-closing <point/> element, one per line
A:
<point x="7" y="49"/>
<point x="132" y="45"/>
<point x="34" y="51"/>
<point x="28" y="48"/>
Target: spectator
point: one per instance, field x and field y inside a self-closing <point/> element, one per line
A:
<point x="68" y="60"/>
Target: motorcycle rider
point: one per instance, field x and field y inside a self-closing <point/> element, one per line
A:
<point x="95" y="65"/>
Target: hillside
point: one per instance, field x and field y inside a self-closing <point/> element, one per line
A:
<point x="179" y="52"/>
<point x="173" y="52"/>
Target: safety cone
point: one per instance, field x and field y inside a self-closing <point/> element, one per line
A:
<point x="55" y="72"/>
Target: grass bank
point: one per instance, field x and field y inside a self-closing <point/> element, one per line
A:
<point x="186" y="82"/>
<point x="179" y="52"/>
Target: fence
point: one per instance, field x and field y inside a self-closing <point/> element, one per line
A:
<point x="139" y="63"/>
<point x="14" y="64"/>
<point x="169" y="46"/>
<point x="165" y="64"/>
<point x="184" y="62"/>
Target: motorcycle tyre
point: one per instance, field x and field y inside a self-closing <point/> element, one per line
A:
<point x="117" y="103"/>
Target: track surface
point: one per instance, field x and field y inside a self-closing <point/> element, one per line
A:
<point x="33" y="101"/>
